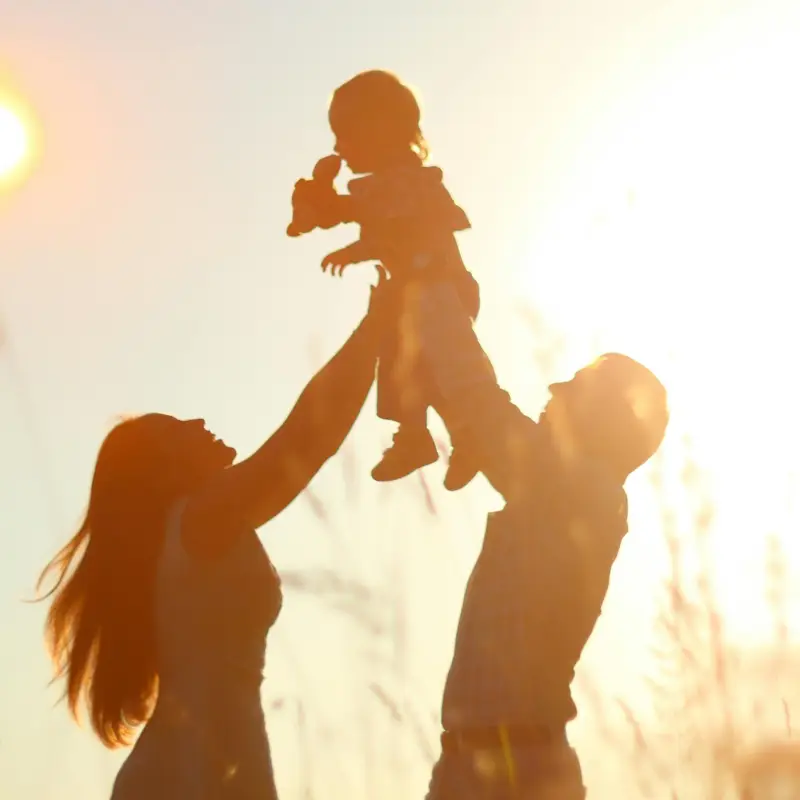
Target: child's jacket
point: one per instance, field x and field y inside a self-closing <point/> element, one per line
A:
<point x="407" y="220"/>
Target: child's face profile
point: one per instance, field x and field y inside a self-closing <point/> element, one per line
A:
<point x="356" y="149"/>
<point x="363" y="139"/>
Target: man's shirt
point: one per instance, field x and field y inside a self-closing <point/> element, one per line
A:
<point x="539" y="583"/>
<point x="534" y="596"/>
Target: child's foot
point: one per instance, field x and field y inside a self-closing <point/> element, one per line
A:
<point x="412" y="448"/>
<point x="461" y="470"/>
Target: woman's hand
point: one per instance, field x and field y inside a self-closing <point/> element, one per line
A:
<point x="255" y="490"/>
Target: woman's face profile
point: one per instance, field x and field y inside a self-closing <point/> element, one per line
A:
<point x="189" y="447"/>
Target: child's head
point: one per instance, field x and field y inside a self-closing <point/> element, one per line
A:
<point x="376" y="121"/>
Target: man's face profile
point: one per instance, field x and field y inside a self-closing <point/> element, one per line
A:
<point x="613" y="404"/>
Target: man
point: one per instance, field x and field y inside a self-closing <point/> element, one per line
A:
<point x="539" y="583"/>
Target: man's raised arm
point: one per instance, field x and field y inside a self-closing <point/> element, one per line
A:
<point x="471" y="403"/>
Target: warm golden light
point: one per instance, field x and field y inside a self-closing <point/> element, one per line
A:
<point x="676" y="244"/>
<point x="14" y="142"/>
<point x="19" y="140"/>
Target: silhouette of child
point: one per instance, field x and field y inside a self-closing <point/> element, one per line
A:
<point x="408" y="220"/>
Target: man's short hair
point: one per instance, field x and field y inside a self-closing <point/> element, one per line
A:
<point x="635" y="427"/>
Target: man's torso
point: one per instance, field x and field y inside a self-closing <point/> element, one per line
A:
<point x="532" y="601"/>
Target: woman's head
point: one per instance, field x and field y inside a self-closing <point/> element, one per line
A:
<point x="99" y="627"/>
<point x="376" y="121"/>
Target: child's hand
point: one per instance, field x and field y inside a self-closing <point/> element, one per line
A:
<point x="339" y="260"/>
<point x="304" y="212"/>
<point x="314" y="202"/>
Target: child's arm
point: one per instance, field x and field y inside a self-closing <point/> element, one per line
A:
<point x="346" y="208"/>
<point x="315" y="202"/>
<point x="407" y="222"/>
<point x="402" y="247"/>
<point x="354" y="253"/>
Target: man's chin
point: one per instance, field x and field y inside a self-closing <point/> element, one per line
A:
<point x="227" y="455"/>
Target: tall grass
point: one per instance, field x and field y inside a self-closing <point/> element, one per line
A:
<point x="719" y="718"/>
<point x="720" y="721"/>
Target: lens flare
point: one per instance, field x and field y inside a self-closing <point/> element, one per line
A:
<point x="18" y="140"/>
<point x="14" y="142"/>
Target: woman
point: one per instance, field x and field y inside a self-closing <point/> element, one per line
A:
<point x="164" y="597"/>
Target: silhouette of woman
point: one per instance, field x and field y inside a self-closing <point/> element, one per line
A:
<point x="164" y="597"/>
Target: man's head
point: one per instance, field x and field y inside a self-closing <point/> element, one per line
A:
<point x="614" y="410"/>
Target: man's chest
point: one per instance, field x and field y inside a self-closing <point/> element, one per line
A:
<point x="546" y="566"/>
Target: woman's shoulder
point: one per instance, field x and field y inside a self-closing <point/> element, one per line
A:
<point x="195" y="540"/>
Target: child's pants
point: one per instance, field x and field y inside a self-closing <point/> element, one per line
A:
<point x="405" y="386"/>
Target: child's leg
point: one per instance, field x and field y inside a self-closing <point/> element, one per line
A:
<point x="464" y="465"/>
<point x="401" y="399"/>
<point x="407" y="386"/>
<point x="412" y="448"/>
<point x="464" y="462"/>
<point x="464" y="368"/>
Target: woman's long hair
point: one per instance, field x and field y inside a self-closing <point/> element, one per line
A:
<point x="100" y="627"/>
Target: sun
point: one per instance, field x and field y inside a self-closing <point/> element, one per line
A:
<point x="15" y="143"/>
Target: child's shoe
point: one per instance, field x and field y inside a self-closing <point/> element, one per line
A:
<point x="412" y="448"/>
<point x="461" y="470"/>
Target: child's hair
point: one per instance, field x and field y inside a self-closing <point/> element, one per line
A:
<point x="380" y="92"/>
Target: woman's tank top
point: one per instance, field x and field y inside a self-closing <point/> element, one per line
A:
<point x="207" y="739"/>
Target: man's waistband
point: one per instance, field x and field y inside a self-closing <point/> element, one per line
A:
<point x="501" y="737"/>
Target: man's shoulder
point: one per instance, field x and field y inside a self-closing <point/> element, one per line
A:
<point x="524" y="435"/>
<point x="531" y="459"/>
<point x="553" y="494"/>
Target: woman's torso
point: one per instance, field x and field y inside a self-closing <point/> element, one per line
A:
<point x="206" y="738"/>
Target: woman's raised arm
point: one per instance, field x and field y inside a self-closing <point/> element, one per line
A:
<point x="252" y="492"/>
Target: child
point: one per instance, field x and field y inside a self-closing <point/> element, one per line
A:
<point x="408" y="220"/>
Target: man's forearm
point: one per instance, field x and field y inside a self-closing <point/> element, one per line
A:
<point x="474" y="407"/>
<point x="484" y="420"/>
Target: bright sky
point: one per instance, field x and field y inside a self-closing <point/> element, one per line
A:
<point x="631" y="172"/>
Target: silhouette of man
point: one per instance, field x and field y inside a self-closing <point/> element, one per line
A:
<point x="538" y="585"/>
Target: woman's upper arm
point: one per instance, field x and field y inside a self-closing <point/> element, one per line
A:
<point x="260" y="487"/>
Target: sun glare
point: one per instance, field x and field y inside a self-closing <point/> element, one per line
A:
<point x="15" y="143"/>
<point x="677" y="240"/>
<point x="676" y="243"/>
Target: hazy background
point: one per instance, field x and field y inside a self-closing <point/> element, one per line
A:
<point x="631" y="172"/>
